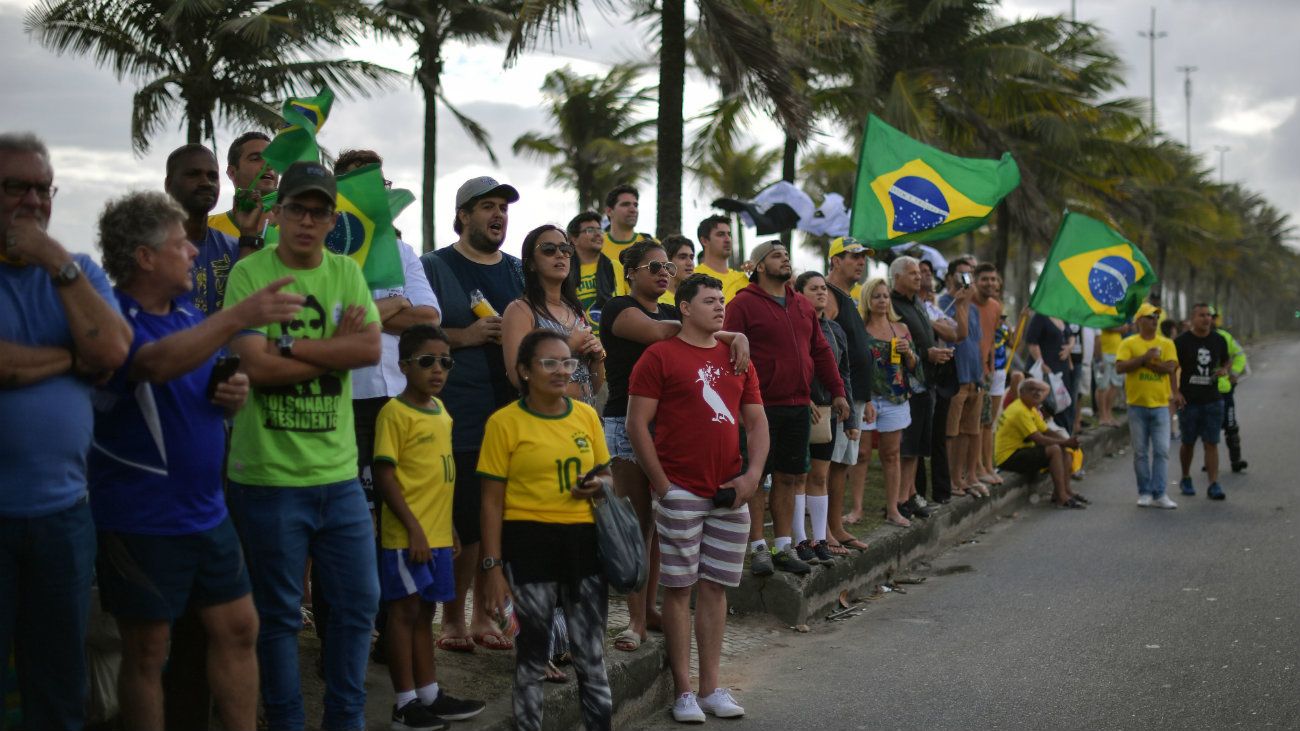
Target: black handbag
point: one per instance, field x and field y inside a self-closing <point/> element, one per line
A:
<point x="619" y="544"/>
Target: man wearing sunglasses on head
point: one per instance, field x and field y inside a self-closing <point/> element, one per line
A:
<point x="293" y="456"/>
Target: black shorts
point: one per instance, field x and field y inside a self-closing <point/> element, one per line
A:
<point x="154" y="578"/>
<point x="365" y="412"/>
<point x="1026" y="460"/>
<point x="467" y="499"/>
<point x="788" y="429"/>
<point x="918" y="435"/>
<point x="824" y="452"/>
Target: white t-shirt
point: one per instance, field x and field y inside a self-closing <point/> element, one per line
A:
<point x="385" y="378"/>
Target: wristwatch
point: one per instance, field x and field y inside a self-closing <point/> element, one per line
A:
<point x="490" y="563"/>
<point x="285" y="343"/>
<point x="67" y="274"/>
<point x="253" y="242"/>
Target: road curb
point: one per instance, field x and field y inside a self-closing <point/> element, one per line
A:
<point x="798" y="600"/>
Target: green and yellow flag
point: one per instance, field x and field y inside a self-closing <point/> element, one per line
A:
<point x="365" y="227"/>
<point x="1093" y="275"/>
<point x="909" y="191"/>
<point x="296" y="140"/>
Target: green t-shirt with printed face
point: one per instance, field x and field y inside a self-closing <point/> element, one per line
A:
<point x="300" y="434"/>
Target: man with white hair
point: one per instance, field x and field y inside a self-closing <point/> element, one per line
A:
<point x="1024" y="444"/>
<point x="61" y="330"/>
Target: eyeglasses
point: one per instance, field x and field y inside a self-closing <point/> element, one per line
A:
<point x="591" y="230"/>
<point x="388" y="183"/>
<point x="299" y="212"/>
<point x="659" y="266"/>
<point x="551" y="365"/>
<point x="427" y="361"/>
<point x="18" y="188"/>
<point x="549" y="249"/>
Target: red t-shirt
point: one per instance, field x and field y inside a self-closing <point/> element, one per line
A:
<point x="697" y="424"/>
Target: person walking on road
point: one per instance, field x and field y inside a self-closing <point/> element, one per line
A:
<point x="1202" y="360"/>
<point x="1149" y="362"/>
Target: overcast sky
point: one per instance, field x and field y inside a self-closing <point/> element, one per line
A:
<point x="1245" y="97"/>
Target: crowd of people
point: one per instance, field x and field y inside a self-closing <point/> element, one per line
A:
<point x="237" y="434"/>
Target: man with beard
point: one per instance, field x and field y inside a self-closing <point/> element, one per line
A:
<point x="788" y="350"/>
<point x="714" y="234"/>
<point x="194" y="182"/>
<point x="246" y="169"/>
<point x="478" y="385"/>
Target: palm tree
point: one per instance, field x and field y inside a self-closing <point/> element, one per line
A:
<point x="432" y="25"/>
<point x="723" y="170"/>
<point x="599" y="141"/>
<point x="211" y="60"/>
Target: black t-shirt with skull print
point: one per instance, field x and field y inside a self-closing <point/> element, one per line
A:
<point x="1199" y="359"/>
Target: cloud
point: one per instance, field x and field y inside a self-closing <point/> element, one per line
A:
<point x="1256" y="120"/>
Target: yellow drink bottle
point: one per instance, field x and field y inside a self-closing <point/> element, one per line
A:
<point x="479" y="305"/>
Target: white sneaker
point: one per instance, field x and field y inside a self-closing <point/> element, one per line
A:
<point x="920" y="501"/>
<point x="686" y="710"/>
<point x="1144" y="501"/>
<point x="721" y="704"/>
<point x="1164" y="502"/>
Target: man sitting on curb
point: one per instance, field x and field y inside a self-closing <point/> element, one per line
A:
<point x="1024" y="444"/>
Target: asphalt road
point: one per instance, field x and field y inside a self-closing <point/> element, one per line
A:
<point x="1111" y="618"/>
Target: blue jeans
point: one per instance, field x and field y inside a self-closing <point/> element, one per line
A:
<point x="46" y="565"/>
<point x="280" y="527"/>
<point x="1149" y="429"/>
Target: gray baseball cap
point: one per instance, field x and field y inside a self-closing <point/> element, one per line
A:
<point x="475" y="188"/>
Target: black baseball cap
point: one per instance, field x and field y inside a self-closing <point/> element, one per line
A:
<point x="303" y="177"/>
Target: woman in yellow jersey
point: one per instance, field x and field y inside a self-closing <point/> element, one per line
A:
<point x="681" y="252"/>
<point x="539" y="537"/>
<point x="550" y="302"/>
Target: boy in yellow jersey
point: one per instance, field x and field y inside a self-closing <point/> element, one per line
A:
<point x="714" y="234"/>
<point x="1149" y="361"/>
<point x="622" y="210"/>
<point x="415" y="473"/>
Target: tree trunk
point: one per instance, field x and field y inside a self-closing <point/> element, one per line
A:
<point x="672" y="87"/>
<point x="1026" y="272"/>
<point x="1162" y="248"/>
<point x="429" y="74"/>
<point x="738" y="251"/>
<point x="789" y="161"/>
<point x="193" y="126"/>
<point x="1003" y="238"/>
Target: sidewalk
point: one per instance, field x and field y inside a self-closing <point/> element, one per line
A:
<point x="639" y="680"/>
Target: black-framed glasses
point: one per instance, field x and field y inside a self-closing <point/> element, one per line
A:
<point x="551" y="365"/>
<point x="388" y="183"/>
<point x="659" y="266"/>
<point x="427" y="361"/>
<point x="549" y="249"/>
<point x="298" y="212"/>
<point x="18" y="188"/>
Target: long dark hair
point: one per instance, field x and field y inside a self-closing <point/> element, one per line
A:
<point x="534" y="294"/>
<point x="632" y="256"/>
<point x="528" y="348"/>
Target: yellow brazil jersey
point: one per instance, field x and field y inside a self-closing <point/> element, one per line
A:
<point x="856" y="293"/>
<point x="418" y="442"/>
<point x="733" y="280"/>
<point x="222" y="223"/>
<point x="540" y="458"/>
<point x="1110" y="342"/>
<point x="1015" y="425"/>
<point x="612" y="249"/>
<point x="669" y="297"/>
<point x="1144" y="387"/>
<point x="587" y="292"/>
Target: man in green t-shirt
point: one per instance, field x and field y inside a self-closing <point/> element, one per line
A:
<point x="293" y="458"/>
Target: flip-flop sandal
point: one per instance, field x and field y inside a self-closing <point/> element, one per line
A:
<point x="493" y="641"/>
<point x="837" y="549"/>
<point x="554" y="675"/>
<point x="456" y="644"/>
<point x="627" y="641"/>
<point x="855" y="543"/>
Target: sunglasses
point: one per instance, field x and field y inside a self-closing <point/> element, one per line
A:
<point x="549" y="249"/>
<point x="551" y="365"/>
<point x="426" y="361"/>
<point x="659" y="266"/>
<point x="298" y="212"/>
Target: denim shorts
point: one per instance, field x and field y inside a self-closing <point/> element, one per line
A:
<point x="1202" y="422"/>
<point x="153" y="578"/>
<point x="616" y="438"/>
<point x="891" y="417"/>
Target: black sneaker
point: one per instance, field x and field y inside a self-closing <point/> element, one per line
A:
<point x="1240" y="466"/>
<point x="416" y="717"/>
<point x="804" y="551"/>
<point x="919" y="510"/>
<point x="786" y="561"/>
<point x="906" y="510"/>
<point x="822" y="550"/>
<point x="454" y="709"/>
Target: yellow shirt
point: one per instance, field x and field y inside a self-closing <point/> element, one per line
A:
<point x="222" y="223"/>
<point x="587" y="292"/>
<point x="856" y="293"/>
<point x="418" y="442"/>
<point x="1110" y="342"/>
<point x="669" y="297"/>
<point x="1144" y="387"/>
<point x="733" y="280"/>
<point x="613" y="249"/>
<point x="540" y="458"/>
<point x="1015" y="425"/>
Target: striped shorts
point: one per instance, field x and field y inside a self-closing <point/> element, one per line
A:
<point x="699" y="541"/>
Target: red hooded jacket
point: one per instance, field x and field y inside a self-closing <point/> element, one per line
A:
<point x="786" y="345"/>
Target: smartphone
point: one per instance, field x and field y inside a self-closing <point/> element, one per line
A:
<point x="593" y="472"/>
<point x="225" y="367"/>
<point x="964" y="278"/>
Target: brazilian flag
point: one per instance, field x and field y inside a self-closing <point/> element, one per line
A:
<point x="1093" y="275"/>
<point x="909" y="191"/>
<point x="296" y="140"/>
<point x="364" y="230"/>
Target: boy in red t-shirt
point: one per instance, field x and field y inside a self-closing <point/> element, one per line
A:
<point x="694" y="467"/>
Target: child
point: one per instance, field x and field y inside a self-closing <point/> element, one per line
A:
<point x="415" y="473"/>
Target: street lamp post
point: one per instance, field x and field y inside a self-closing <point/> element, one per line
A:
<point x="1187" y="95"/>
<point x="1153" y="36"/>
<point x="1222" y="150"/>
